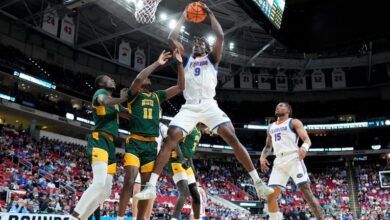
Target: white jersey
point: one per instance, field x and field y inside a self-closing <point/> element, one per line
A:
<point x="284" y="137"/>
<point x="200" y="79"/>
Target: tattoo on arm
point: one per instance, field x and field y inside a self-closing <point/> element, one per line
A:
<point x="267" y="150"/>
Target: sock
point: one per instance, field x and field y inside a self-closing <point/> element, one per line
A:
<point x="173" y="218"/>
<point x="153" y="179"/>
<point x="273" y="215"/>
<point x="254" y="175"/>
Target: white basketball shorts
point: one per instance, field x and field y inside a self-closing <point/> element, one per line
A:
<point x="286" y="167"/>
<point x="207" y="112"/>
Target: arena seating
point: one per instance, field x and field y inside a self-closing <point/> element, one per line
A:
<point x="373" y="200"/>
<point x="54" y="174"/>
<point x="53" y="184"/>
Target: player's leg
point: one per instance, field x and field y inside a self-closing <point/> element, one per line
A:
<point x="127" y="189"/>
<point x="185" y="120"/>
<point x="131" y="165"/>
<point x="272" y="202"/>
<point x="149" y="209"/>
<point x="315" y="206"/>
<point x="100" y="153"/>
<point x="218" y="121"/>
<point x="179" y="176"/>
<point x="194" y="192"/>
<point x="277" y="181"/>
<point x="227" y="132"/>
<point x="300" y="176"/>
<point x="143" y="204"/>
<point x="182" y="187"/>
<point x="148" y="154"/>
<point x="134" y="205"/>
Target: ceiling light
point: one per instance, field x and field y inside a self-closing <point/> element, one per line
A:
<point x="231" y="45"/>
<point x="172" y="24"/>
<point x="163" y="16"/>
<point x="211" y="39"/>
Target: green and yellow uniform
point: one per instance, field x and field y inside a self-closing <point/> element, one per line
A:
<point x="100" y="145"/>
<point x="141" y="145"/>
<point x="188" y="148"/>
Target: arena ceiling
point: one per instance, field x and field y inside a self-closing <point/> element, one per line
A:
<point x="102" y="24"/>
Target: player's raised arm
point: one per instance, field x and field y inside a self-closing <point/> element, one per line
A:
<point x="218" y="46"/>
<point x="302" y="133"/>
<point x="106" y="100"/>
<point x="175" y="90"/>
<point x="144" y="74"/>
<point x="174" y="35"/>
<point x="267" y="150"/>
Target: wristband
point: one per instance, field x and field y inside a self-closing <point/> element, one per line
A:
<point x="306" y="146"/>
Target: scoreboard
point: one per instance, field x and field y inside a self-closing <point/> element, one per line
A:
<point x="273" y="10"/>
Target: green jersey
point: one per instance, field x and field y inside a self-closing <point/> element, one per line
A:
<point x="144" y="109"/>
<point x="106" y="118"/>
<point x="190" y="143"/>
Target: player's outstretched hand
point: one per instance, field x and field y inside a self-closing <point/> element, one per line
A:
<point x="164" y="57"/>
<point x="177" y="55"/>
<point x="264" y="164"/>
<point x="302" y="153"/>
<point x="206" y="8"/>
<point x="123" y="93"/>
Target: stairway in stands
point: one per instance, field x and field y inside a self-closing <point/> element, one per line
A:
<point x="353" y="189"/>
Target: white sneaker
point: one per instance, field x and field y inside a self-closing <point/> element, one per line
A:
<point x="263" y="190"/>
<point x="149" y="192"/>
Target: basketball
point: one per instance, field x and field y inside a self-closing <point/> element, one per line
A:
<point x="196" y="12"/>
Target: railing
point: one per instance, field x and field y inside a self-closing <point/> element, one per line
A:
<point x="353" y="189"/>
<point x="226" y="203"/>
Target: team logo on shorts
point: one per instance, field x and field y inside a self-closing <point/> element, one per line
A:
<point x="300" y="175"/>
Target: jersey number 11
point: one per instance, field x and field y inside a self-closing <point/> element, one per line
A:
<point x="148" y="113"/>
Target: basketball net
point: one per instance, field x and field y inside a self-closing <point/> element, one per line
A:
<point x="145" y="11"/>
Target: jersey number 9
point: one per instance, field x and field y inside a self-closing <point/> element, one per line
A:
<point x="197" y="71"/>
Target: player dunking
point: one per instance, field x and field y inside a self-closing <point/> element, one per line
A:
<point x="200" y="83"/>
<point x="283" y="136"/>
<point x="100" y="146"/>
<point x="141" y="146"/>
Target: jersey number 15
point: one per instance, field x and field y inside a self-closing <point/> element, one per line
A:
<point x="278" y="136"/>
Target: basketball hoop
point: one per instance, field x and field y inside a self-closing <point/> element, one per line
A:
<point x="145" y="11"/>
